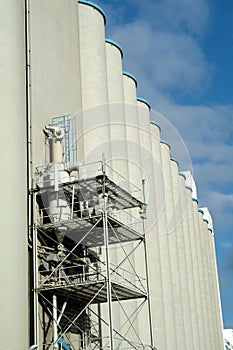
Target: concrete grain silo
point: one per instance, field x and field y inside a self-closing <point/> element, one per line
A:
<point x="14" y="263"/>
<point x="119" y="254"/>
<point x="93" y="120"/>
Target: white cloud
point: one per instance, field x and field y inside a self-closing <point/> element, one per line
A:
<point x="169" y="15"/>
<point x="162" y="60"/>
<point x="175" y="15"/>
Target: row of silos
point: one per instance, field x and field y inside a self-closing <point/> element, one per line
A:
<point x="74" y="69"/>
<point x="182" y="316"/>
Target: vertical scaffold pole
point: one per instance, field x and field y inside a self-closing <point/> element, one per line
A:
<point x="35" y="283"/>
<point x="55" y="333"/>
<point x="147" y="270"/>
<point x="108" y="274"/>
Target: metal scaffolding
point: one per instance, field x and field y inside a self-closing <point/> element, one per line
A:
<point x="79" y="222"/>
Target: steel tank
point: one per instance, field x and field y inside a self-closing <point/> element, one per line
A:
<point x="14" y="234"/>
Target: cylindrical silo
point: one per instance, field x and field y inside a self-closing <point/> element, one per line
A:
<point x="93" y="121"/>
<point x="162" y="294"/>
<point x="54" y="66"/>
<point x="132" y="129"/>
<point x="200" y="279"/>
<point x="209" y="289"/>
<point x="193" y="271"/>
<point x="147" y="174"/>
<point x="186" y="269"/>
<point x="206" y="287"/>
<point x="158" y="253"/>
<point x="117" y="138"/>
<point x="177" y="231"/>
<point x="172" y="246"/>
<point x="14" y="261"/>
<point x="216" y="318"/>
<point x="119" y="155"/>
<point x="134" y="177"/>
<point x="218" y="312"/>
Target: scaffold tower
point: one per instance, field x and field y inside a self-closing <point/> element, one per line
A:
<point x="83" y="218"/>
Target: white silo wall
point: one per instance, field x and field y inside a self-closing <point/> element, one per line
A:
<point x="218" y="312"/>
<point x="118" y="145"/>
<point x="93" y="121"/>
<point x="200" y="280"/>
<point x="135" y="177"/>
<point x="55" y="72"/>
<point x="172" y="244"/>
<point x="215" y="312"/>
<point x="216" y="294"/>
<point x="150" y="222"/>
<point x="193" y="272"/>
<point x="161" y="283"/>
<point x="205" y="266"/>
<point x="119" y="155"/>
<point x="161" y="152"/>
<point x="14" y="261"/>
<point x="210" y="290"/>
<point x="159" y="266"/>
<point x="188" y="299"/>
<point x="132" y="131"/>
<point x="176" y="228"/>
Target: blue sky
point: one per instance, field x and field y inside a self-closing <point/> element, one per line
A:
<point x="181" y="52"/>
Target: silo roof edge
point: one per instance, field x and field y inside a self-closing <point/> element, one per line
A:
<point x="141" y="99"/>
<point x="174" y="160"/>
<point x="114" y="43"/>
<point x="97" y="7"/>
<point x="130" y="76"/>
<point x="165" y="143"/>
<point x="155" y="123"/>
